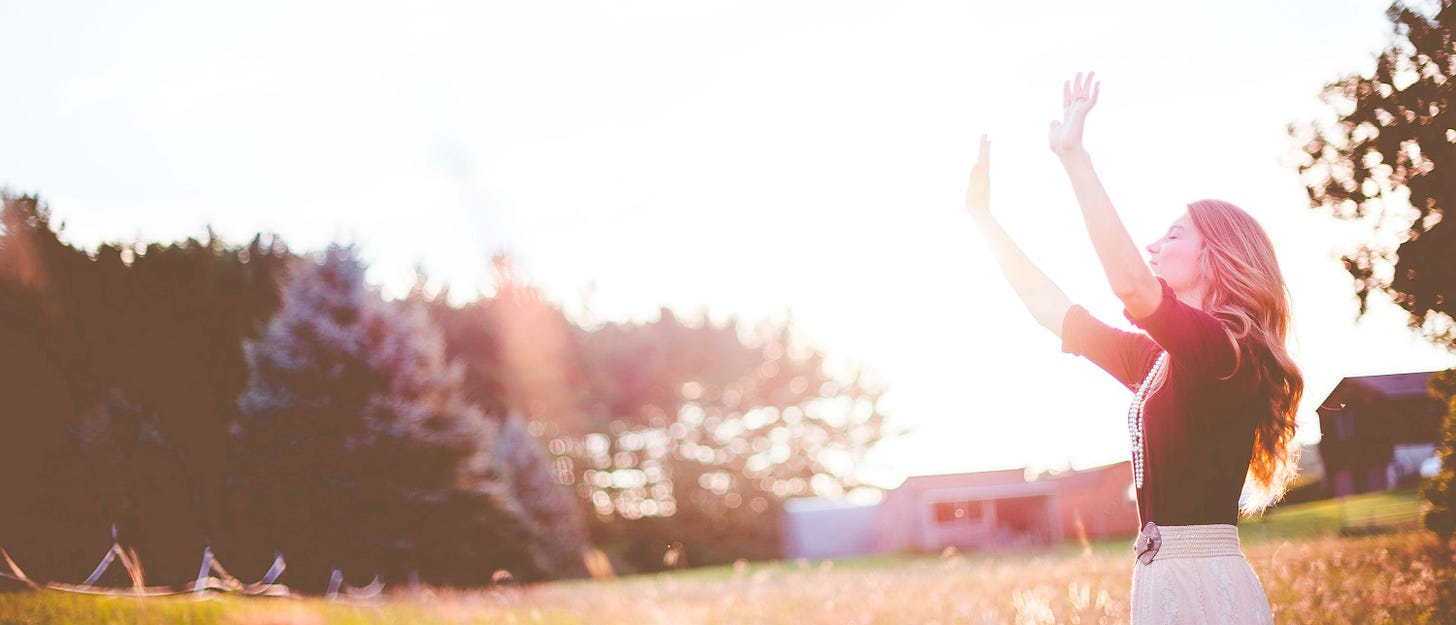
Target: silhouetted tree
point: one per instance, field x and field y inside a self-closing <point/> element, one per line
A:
<point x="1440" y="490"/>
<point x="98" y="343"/>
<point x="1387" y="162"/>
<point x="39" y="363"/>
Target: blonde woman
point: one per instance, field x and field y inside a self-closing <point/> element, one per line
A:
<point x="1214" y="390"/>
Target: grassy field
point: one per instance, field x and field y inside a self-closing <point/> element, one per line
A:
<point x="1312" y="571"/>
<point x="1361" y="514"/>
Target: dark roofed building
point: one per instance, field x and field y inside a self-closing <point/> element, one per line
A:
<point x="1377" y="430"/>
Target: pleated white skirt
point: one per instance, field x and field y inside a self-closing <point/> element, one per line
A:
<point x="1198" y="576"/>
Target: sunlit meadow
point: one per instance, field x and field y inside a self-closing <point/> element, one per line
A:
<point x="1312" y="572"/>
<point x="1381" y="579"/>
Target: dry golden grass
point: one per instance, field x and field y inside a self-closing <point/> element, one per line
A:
<point x="1381" y="579"/>
<point x="1389" y="578"/>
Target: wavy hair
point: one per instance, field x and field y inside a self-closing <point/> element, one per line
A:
<point x="1244" y="288"/>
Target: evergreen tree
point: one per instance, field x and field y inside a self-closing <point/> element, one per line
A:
<point x="354" y="437"/>
<point x="121" y="368"/>
<point x="538" y="484"/>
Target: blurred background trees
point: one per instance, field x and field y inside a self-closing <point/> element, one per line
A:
<point x="1384" y="162"/>
<point x="255" y="399"/>
<point x="356" y="446"/>
<point x="681" y="437"/>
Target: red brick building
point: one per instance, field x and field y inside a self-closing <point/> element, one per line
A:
<point x="1007" y="508"/>
<point x="983" y="510"/>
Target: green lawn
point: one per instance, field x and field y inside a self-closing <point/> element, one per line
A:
<point x="1359" y="514"/>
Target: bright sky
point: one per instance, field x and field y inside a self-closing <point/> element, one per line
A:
<point x="738" y="157"/>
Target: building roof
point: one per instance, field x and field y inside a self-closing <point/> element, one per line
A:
<point x="959" y="480"/>
<point x="819" y="504"/>
<point x="1084" y="477"/>
<point x="1391" y="386"/>
<point x="1005" y="477"/>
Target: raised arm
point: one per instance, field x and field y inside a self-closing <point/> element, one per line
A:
<point x="1041" y="296"/>
<point x="1131" y="279"/>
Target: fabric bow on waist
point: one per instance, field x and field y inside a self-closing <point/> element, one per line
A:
<point x="1147" y="543"/>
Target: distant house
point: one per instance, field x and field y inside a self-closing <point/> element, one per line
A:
<point x="824" y="528"/>
<point x="1377" y="431"/>
<point x="983" y="510"/>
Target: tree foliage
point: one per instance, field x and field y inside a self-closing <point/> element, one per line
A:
<point x="675" y="435"/>
<point x="1440" y="490"/>
<point x="1386" y="161"/>
<point x="248" y="398"/>
<point x="118" y="367"/>
<point x="354" y="435"/>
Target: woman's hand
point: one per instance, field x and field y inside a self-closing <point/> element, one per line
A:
<point x="1078" y="97"/>
<point x="978" y="192"/>
<point x="1046" y="302"/>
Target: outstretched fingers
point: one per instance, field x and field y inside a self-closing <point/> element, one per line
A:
<point x="978" y="189"/>
<point x="1084" y="88"/>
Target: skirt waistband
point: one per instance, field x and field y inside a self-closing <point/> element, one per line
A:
<point x="1194" y="541"/>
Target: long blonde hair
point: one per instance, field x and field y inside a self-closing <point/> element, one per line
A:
<point x="1244" y="288"/>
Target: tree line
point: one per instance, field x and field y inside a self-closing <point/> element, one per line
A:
<point x="259" y="399"/>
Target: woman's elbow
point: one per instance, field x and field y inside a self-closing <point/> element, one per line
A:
<point x="1129" y="289"/>
<point x="1140" y="297"/>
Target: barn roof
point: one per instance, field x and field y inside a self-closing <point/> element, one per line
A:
<point x="1391" y="386"/>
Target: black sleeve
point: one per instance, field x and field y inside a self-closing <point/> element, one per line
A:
<point x="1126" y="355"/>
<point x="1196" y="341"/>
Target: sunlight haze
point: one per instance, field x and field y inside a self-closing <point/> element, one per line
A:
<point x="740" y="158"/>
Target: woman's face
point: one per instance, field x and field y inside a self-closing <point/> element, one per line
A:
<point x="1175" y="257"/>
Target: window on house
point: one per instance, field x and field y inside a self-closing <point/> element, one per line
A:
<point x="944" y="512"/>
<point x="953" y="512"/>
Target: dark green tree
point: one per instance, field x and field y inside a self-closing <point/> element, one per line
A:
<point x="122" y="367"/>
<point x="357" y="448"/>
<point x="1440" y="490"/>
<point x="1387" y="161"/>
<point x="40" y="363"/>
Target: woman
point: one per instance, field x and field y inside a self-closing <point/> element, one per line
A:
<point x="1215" y="391"/>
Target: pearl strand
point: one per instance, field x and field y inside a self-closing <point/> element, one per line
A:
<point x="1135" y="419"/>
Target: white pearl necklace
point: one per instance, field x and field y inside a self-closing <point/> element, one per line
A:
<point x="1135" y="419"/>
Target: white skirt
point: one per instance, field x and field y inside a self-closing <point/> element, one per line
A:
<point x="1199" y="576"/>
